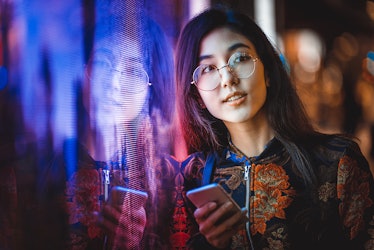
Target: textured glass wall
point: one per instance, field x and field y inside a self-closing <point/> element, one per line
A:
<point x="87" y="103"/>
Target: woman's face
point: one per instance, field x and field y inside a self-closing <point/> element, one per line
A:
<point x="118" y="82"/>
<point x="234" y="100"/>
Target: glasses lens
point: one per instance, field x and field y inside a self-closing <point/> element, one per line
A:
<point x="131" y="79"/>
<point x="99" y="70"/>
<point x="206" y="77"/>
<point x="242" y="64"/>
<point x="134" y="80"/>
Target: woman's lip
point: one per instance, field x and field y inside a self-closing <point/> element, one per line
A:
<point x="111" y="104"/>
<point x="236" y="101"/>
<point x="235" y="96"/>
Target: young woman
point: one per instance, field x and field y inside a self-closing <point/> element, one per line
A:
<point x="131" y="89"/>
<point x="127" y="94"/>
<point x="299" y="189"/>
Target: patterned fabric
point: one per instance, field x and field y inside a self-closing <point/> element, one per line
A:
<point x="181" y="225"/>
<point x="285" y="213"/>
<point x="85" y="194"/>
<point x="169" y="222"/>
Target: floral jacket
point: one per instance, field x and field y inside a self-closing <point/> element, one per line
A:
<point x="88" y="187"/>
<point x="287" y="214"/>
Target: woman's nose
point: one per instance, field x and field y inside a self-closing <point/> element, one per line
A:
<point x="116" y="81"/>
<point x="227" y="76"/>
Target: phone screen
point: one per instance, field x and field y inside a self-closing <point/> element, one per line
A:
<point x="119" y="195"/>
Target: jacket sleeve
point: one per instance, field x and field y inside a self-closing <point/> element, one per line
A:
<point x="355" y="191"/>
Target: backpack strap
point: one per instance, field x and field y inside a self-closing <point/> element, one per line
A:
<point x="208" y="169"/>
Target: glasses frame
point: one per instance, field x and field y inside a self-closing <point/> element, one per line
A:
<point x="88" y="70"/>
<point x="230" y="69"/>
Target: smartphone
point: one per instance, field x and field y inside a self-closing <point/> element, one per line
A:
<point x="118" y="194"/>
<point x="211" y="192"/>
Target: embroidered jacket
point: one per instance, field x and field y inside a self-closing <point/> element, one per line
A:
<point x="85" y="191"/>
<point x="287" y="214"/>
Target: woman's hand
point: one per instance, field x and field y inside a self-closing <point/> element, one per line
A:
<point x="219" y="224"/>
<point x="123" y="223"/>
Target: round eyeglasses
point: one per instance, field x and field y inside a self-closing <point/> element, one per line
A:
<point x="132" y="79"/>
<point x="207" y="77"/>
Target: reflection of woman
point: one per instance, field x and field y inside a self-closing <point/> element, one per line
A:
<point x="128" y="98"/>
<point x="299" y="189"/>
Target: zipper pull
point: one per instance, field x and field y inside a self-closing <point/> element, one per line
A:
<point x="106" y="176"/>
<point x="106" y="183"/>
<point x="246" y="172"/>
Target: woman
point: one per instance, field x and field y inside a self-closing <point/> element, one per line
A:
<point x="299" y="189"/>
<point x="127" y="95"/>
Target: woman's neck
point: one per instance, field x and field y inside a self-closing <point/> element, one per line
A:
<point x="250" y="137"/>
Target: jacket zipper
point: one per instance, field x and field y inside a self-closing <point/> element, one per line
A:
<point x="106" y="184"/>
<point x="247" y="179"/>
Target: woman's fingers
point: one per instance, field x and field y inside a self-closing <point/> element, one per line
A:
<point x="215" y="218"/>
<point x="220" y="224"/>
<point x="130" y="229"/>
<point x="108" y="218"/>
<point x="203" y="212"/>
<point x="124" y="224"/>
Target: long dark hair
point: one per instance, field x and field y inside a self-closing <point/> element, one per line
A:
<point x="160" y="68"/>
<point x="285" y="111"/>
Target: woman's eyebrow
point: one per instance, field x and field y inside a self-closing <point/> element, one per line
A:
<point x="231" y="48"/>
<point x="204" y="57"/>
<point x="237" y="45"/>
<point x="132" y="59"/>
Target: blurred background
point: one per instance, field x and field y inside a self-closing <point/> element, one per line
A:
<point x="327" y="46"/>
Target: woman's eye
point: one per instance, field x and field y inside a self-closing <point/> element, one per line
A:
<point x="242" y="58"/>
<point x="101" y="64"/>
<point x="207" y="69"/>
<point x="128" y="71"/>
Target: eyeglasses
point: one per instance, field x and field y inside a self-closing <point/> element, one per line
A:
<point x="207" y="77"/>
<point x="132" y="79"/>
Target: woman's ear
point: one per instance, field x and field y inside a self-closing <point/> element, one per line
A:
<point x="267" y="81"/>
